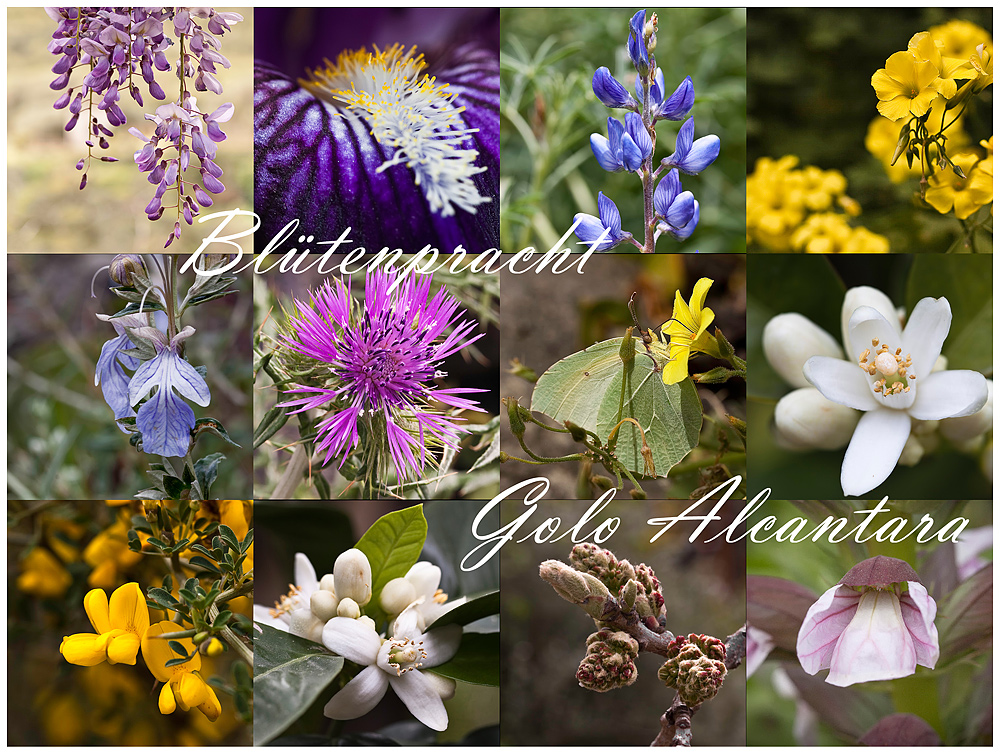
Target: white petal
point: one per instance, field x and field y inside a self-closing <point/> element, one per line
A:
<point x="925" y="333"/>
<point x="262" y="614"/>
<point x="359" y="696"/>
<point x="841" y="381"/>
<point x="947" y="394"/>
<point x="806" y="420"/>
<point x="874" y="450"/>
<point x="353" y="640"/>
<point x="823" y="625"/>
<point x="973" y="425"/>
<point x="441" y="644"/>
<point x="866" y="296"/>
<point x="421" y="698"/>
<point x="919" y="610"/>
<point x="876" y="645"/>
<point x="443" y="686"/>
<point x="409" y="623"/>
<point x="425" y="578"/>
<point x="305" y="575"/>
<point x="868" y="324"/>
<point x="790" y="340"/>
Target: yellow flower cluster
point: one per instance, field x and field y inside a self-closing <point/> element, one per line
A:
<point x="794" y="209"/>
<point x="932" y="64"/>
<point x="947" y="191"/>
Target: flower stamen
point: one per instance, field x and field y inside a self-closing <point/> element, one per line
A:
<point x="891" y="368"/>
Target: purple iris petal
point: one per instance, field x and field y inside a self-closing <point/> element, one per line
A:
<point x="382" y="357"/>
<point x="165" y="420"/>
<point x="320" y="165"/>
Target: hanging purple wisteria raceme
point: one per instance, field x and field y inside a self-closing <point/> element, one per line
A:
<point x="373" y="365"/>
<point x="400" y="149"/>
<point x="110" y="50"/>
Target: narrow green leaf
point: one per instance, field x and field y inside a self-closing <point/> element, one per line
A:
<point x="269" y="425"/>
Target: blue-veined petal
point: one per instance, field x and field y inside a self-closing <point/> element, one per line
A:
<point x="610" y="217"/>
<point x="631" y="154"/>
<point x="640" y="136"/>
<point x="602" y="152"/>
<point x="609" y="90"/>
<point x="691" y="156"/>
<point x="666" y="191"/>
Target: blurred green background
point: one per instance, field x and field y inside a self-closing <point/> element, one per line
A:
<point x="62" y="440"/>
<point x="47" y="211"/>
<point x="548" y="57"/>
<point x="814" y="286"/>
<point x="809" y="93"/>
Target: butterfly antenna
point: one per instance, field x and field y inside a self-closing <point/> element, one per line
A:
<point x="647" y="338"/>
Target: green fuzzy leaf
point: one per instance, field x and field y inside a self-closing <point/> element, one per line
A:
<point x="133" y="308"/>
<point x="477" y="660"/>
<point x="474" y="609"/>
<point x="212" y="426"/>
<point x="162" y="598"/>
<point x="205" y="564"/>
<point x="392" y="545"/>
<point x="586" y="389"/>
<point x="290" y="673"/>
<point x="207" y="470"/>
<point x="174" y="487"/>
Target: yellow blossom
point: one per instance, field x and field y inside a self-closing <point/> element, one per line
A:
<point x="959" y="39"/>
<point x="947" y="191"/>
<point x="906" y="86"/>
<point x="119" y="625"/>
<point x="109" y="556"/>
<point x="43" y="575"/>
<point x="924" y="48"/>
<point x="686" y="328"/>
<point x="864" y="241"/>
<point x="183" y="687"/>
<point x="822" y="234"/>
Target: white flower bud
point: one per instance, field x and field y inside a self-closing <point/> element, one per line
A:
<point x="323" y="604"/>
<point x="326" y="583"/>
<point x="352" y="574"/>
<point x="964" y="428"/>
<point x="306" y="625"/>
<point x="805" y="420"/>
<point x="348" y="608"/>
<point x="366" y="620"/>
<point x="425" y="578"/>
<point x="912" y="452"/>
<point x="397" y="595"/>
<point x="866" y="296"/>
<point x="790" y="340"/>
<point x="443" y="686"/>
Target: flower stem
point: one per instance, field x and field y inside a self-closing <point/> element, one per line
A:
<point x="649" y="220"/>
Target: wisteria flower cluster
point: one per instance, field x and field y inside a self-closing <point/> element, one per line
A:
<point x="629" y="146"/>
<point x="149" y="403"/>
<point x="116" y="49"/>
<point x="370" y="367"/>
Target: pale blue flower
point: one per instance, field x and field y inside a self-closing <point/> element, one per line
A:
<point x="165" y="420"/>
<point x="589" y="228"/>
<point x="692" y="156"/>
<point x="110" y="374"/>
<point x="677" y="209"/>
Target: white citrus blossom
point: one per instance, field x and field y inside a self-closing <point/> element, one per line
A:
<point x="419" y="588"/>
<point x="876" y="624"/>
<point x="398" y="661"/>
<point x="889" y="378"/>
<point x="294" y="612"/>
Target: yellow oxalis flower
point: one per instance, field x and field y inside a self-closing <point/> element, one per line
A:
<point x="687" y="331"/>
<point x="906" y="86"/>
<point x="924" y="48"/>
<point x="947" y="191"/>
<point x="43" y="575"/>
<point x="183" y="687"/>
<point x="119" y="625"/>
<point x="959" y="39"/>
<point x="981" y="178"/>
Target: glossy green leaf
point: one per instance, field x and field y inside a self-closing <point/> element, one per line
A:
<point x="472" y="610"/>
<point x="967" y="283"/>
<point x="477" y="660"/>
<point x="586" y="389"/>
<point x="289" y="675"/>
<point x="392" y="545"/>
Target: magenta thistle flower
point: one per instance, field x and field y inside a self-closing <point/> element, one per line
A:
<point x="383" y="356"/>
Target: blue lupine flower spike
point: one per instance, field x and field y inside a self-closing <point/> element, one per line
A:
<point x="675" y="208"/>
<point x="590" y="228"/>
<point x="691" y="156"/>
<point x="619" y="150"/>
